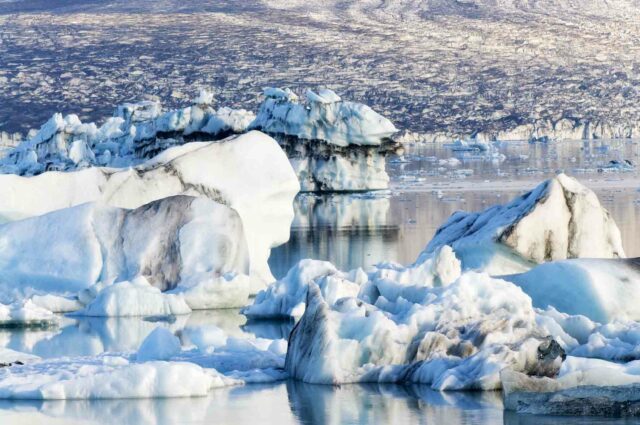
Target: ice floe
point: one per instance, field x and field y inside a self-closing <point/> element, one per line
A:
<point x="585" y="387"/>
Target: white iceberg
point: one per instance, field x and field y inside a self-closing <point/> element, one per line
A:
<point x="161" y="244"/>
<point x="107" y="376"/>
<point x="136" y="298"/>
<point x="559" y="219"/>
<point x="240" y="172"/>
<point x="26" y="314"/>
<point x="452" y="337"/>
<point x="137" y="130"/>
<point x="160" y="344"/>
<point x="286" y="298"/>
<point x="324" y="116"/>
<point x="333" y="145"/>
<point x="160" y="368"/>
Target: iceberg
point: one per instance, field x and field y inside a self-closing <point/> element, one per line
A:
<point x="286" y="298"/>
<point x="334" y="145"/>
<point x="136" y="131"/>
<point x="159" y="246"/>
<point x="107" y="376"/>
<point x="585" y="387"/>
<point x="557" y="220"/>
<point x="26" y="314"/>
<point x="227" y="172"/>
<point x="453" y="337"/>
<point x="323" y="117"/>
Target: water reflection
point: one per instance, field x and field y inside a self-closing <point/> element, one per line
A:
<point x="353" y="231"/>
<point x="89" y="336"/>
<point x="344" y="229"/>
<point x="390" y="404"/>
<point x="292" y="403"/>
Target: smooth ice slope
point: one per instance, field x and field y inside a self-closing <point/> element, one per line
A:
<point x="600" y="289"/>
<point x="249" y="173"/>
<point x="559" y="219"/>
<point x="175" y="240"/>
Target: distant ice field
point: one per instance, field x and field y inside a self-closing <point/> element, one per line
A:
<point x="431" y="66"/>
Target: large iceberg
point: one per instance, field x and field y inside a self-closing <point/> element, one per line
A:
<point x="452" y="337"/>
<point x="136" y="131"/>
<point x="334" y="145"/>
<point x="240" y="172"/>
<point x="175" y="243"/>
<point x="559" y="219"/>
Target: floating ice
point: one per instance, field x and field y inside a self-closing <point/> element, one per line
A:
<point x="334" y="145"/>
<point x="107" y="377"/>
<point x="558" y="219"/>
<point x="168" y="242"/>
<point x="27" y="314"/>
<point x="587" y="387"/>
<point x="286" y="298"/>
<point x="240" y="172"/>
<point x="324" y="116"/>
<point x="160" y="344"/>
<point x="137" y="130"/>
<point x="136" y="298"/>
<point x="457" y="336"/>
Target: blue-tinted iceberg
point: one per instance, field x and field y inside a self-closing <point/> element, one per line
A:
<point x="334" y="145"/>
<point x="137" y="131"/>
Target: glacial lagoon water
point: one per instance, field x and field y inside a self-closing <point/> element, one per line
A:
<point x="349" y="230"/>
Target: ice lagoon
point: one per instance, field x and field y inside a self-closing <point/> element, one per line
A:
<point x="350" y="230"/>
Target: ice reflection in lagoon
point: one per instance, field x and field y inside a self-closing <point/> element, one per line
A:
<point x="353" y="230"/>
<point x="350" y="231"/>
<point x="289" y="403"/>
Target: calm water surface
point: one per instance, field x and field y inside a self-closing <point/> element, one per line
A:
<point x="350" y="231"/>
